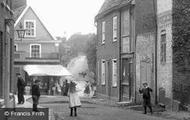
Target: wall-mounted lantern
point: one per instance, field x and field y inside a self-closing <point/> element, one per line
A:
<point x="21" y="31"/>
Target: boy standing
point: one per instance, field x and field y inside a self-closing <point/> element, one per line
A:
<point x="146" y="97"/>
<point x="35" y="94"/>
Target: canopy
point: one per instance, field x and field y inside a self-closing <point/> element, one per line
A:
<point x="46" y="70"/>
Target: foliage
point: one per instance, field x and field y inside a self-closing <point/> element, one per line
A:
<point x="78" y="44"/>
<point x="91" y="53"/>
<point x="181" y="32"/>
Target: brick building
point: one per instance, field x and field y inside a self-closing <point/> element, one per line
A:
<point x="38" y="47"/>
<point x="138" y="41"/>
<point x="6" y="51"/>
<point x="125" y="48"/>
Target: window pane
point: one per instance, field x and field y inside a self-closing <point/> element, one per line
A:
<point x="103" y="32"/>
<point x="114" y="73"/>
<point x="163" y="48"/>
<point x="103" y="73"/>
<point x="126" y="23"/>
<point x="29" y="25"/>
<point x="115" y="28"/>
<point x="35" y="51"/>
<point x="125" y="45"/>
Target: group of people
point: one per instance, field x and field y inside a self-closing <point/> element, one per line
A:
<point x="35" y="91"/>
<point x="72" y="92"/>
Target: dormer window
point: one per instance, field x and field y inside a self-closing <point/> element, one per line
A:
<point x="30" y="25"/>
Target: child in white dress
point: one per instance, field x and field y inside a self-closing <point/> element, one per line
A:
<point x="74" y="100"/>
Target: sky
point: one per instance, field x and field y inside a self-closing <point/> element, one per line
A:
<point x="66" y="17"/>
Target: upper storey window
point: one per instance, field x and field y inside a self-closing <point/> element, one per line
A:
<point x="30" y="25"/>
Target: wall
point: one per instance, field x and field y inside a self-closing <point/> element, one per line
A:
<point x="18" y="3"/>
<point x="41" y="32"/>
<point x="108" y="51"/>
<point x="145" y="62"/>
<point x="165" y="75"/>
<point x="6" y="28"/>
<point x="145" y="20"/>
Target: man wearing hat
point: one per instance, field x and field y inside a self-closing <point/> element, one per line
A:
<point x="35" y="94"/>
<point x="21" y="88"/>
<point x="146" y="97"/>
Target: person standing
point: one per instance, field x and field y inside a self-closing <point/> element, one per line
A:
<point x="65" y="88"/>
<point x="21" y="88"/>
<point x="35" y="94"/>
<point x="74" y="100"/>
<point x="87" y="88"/>
<point x="146" y="97"/>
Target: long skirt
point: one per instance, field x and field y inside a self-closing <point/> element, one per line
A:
<point x="74" y="100"/>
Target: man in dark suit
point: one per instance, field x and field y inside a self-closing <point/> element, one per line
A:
<point x="146" y="97"/>
<point x="35" y="94"/>
<point x="21" y="88"/>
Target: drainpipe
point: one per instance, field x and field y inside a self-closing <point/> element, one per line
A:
<point x="120" y="60"/>
<point x="156" y="52"/>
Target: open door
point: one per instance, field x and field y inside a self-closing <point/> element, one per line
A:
<point x="126" y="85"/>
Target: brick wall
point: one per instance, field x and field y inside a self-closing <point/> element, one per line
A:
<point x="108" y="51"/>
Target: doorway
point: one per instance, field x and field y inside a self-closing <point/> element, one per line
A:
<point x="126" y="79"/>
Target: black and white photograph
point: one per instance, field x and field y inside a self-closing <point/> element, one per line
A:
<point x="95" y="60"/>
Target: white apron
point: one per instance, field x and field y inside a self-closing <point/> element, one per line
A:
<point x="74" y="100"/>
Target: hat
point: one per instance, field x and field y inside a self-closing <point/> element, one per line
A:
<point x="145" y="83"/>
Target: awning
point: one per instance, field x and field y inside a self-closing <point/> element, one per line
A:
<point x="46" y="70"/>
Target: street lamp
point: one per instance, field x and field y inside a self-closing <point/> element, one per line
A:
<point x="21" y="31"/>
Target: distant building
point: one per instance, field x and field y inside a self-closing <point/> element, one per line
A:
<point x="38" y="47"/>
<point x="6" y="52"/>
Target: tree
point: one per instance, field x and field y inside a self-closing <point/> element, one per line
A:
<point x="181" y="49"/>
<point x="91" y="54"/>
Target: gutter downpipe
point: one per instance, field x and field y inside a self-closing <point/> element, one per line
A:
<point x="120" y="60"/>
<point x="156" y="52"/>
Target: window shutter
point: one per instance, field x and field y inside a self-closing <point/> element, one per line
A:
<point x="115" y="28"/>
<point x="103" y="73"/>
<point x="114" y="73"/>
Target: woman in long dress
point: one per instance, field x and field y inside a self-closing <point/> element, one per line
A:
<point x="74" y="100"/>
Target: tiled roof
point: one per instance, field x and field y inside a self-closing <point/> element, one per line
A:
<point x="108" y="4"/>
<point x="18" y="12"/>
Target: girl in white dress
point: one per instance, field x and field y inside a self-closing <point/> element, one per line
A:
<point x="74" y="100"/>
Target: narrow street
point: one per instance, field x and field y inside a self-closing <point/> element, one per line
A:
<point x="90" y="111"/>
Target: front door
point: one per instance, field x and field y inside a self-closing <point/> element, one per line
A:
<point x="126" y="80"/>
<point x="108" y="78"/>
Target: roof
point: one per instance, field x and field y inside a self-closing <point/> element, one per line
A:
<point x="18" y="12"/>
<point x="110" y="5"/>
<point x="46" y="70"/>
